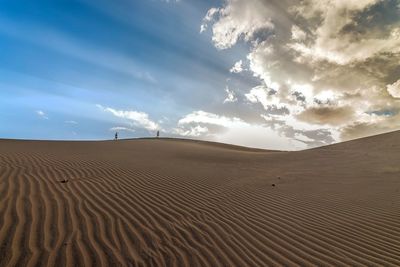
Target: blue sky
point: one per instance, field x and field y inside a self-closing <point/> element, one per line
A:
<point x="64" y="57"/>
<point x="256" y="74"/>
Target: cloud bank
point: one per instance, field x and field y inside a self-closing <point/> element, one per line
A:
<point x="327" y="70"/>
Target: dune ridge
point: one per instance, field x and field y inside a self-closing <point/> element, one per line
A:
<point x="156" y="202"/>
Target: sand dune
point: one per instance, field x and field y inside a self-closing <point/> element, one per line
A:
<point x="166" y="202"/>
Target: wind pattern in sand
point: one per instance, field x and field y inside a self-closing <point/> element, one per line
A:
<point x="184" y="203"/>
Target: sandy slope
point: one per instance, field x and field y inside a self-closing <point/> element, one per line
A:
<point x="184" y="203"/>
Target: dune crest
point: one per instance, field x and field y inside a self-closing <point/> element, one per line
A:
<point x="165" y="202"/>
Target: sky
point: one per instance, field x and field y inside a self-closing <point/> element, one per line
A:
<point x="276" y="74"/>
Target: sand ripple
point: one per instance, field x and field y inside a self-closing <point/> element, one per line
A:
<point x="183" y="203"/>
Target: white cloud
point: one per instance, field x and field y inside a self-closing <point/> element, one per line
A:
<point x="277" y="103"/>
<point x="323" y="66"/>
<point x="139" y="119"/>
<point x="297" y="33"/>
<point x="194" y="131"/>
<point x="343" y="51"/>
<point x="237" y="21"/>
<point x="231" y="97"/>
<point x="258" y="63"/>
<point x="235" y="131"/>
<point x="121" y="128"/>
<point x="210" y="118"/>
<point x="302" y="137"/>
<point x="237" y="68"/>
<point x="330" y="43"/>
<point x="258" y="136"/>
<point x="70" y="122"/>
<point x="42" y="114"/>
<point x="209" y="17"/>
<point x="394" y="89"/>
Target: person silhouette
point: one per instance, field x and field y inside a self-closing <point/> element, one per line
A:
<point x="116" y="136"/>
<point x="158" y="134"/>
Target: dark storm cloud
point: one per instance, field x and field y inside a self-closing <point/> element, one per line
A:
<point x="361" y="129"/>
<point x="326" y="115"/>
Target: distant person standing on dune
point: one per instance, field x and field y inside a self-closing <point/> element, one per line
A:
<point x="158" y="134"/>
<point x="116" y="136"/>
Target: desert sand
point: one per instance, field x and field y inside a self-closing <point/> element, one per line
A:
<point x="165" y="202"/>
